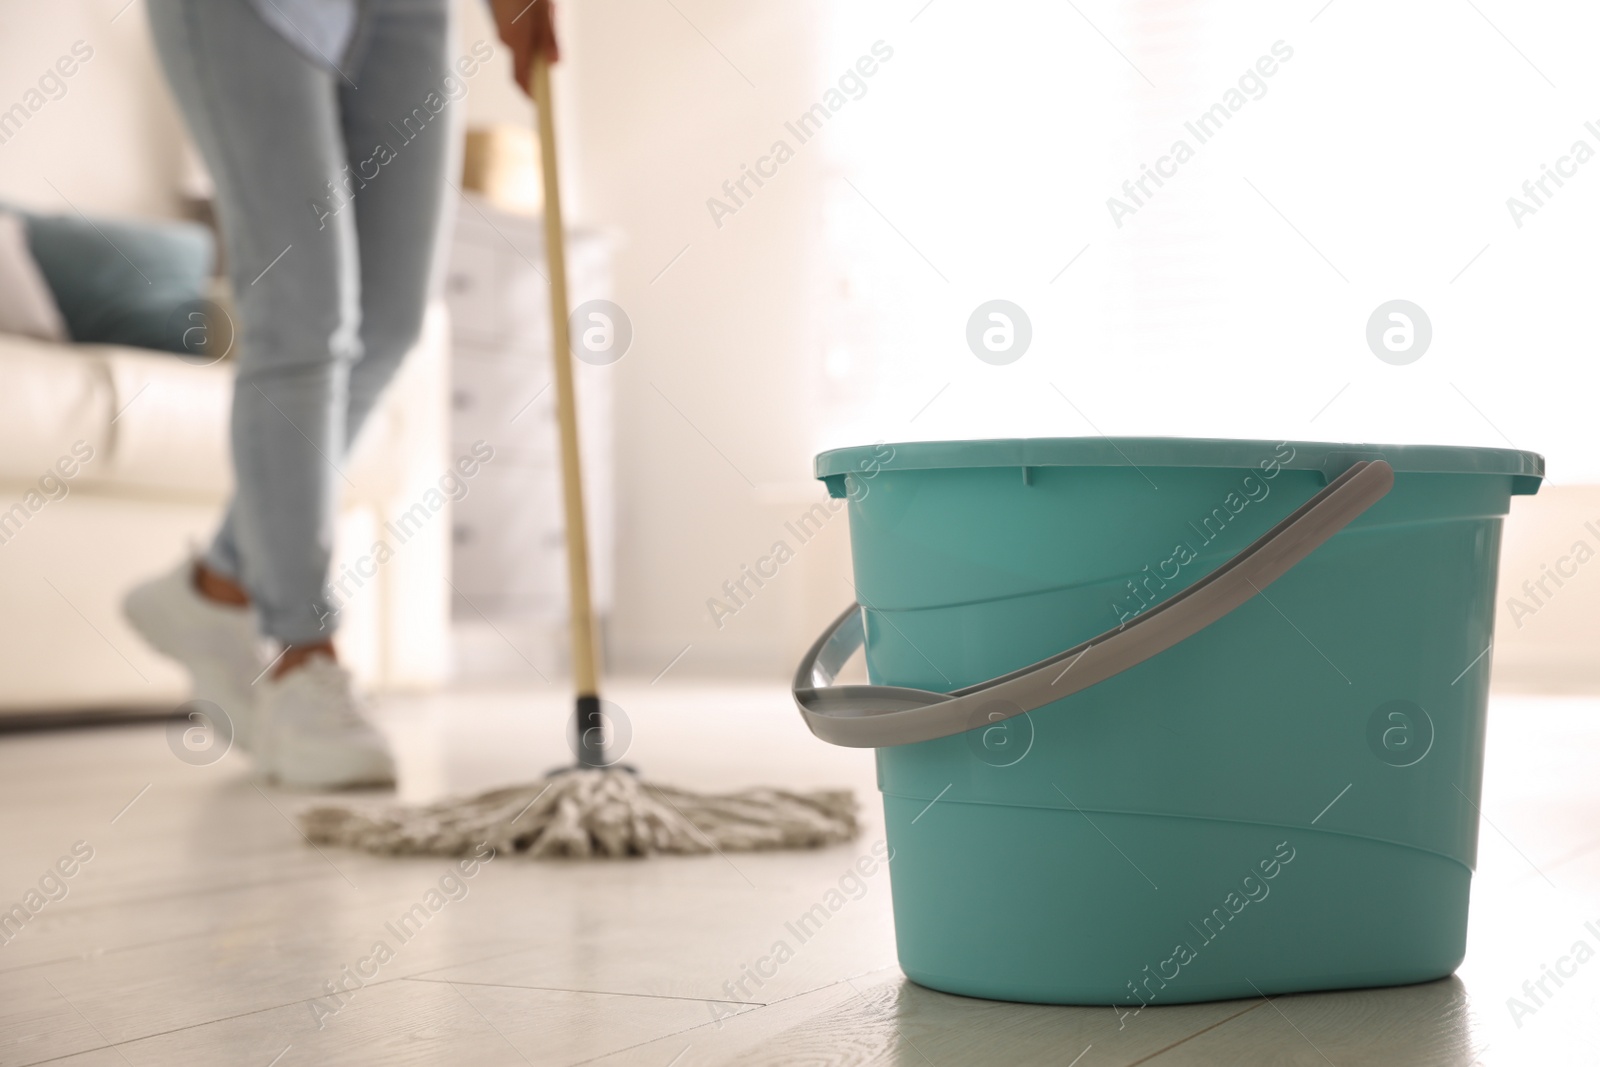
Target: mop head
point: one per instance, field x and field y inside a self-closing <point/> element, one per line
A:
<point x="594" y="813"/>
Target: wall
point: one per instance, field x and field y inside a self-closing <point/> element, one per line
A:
<point x="111" y="143"/>
<point x="723" y="397"/>
<point x="716" y="398"/>
<point x="1547" y="626"/>
<point x="1207" y="315"/>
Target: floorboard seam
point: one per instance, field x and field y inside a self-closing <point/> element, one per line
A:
<point x="226" y="1018"/>
<point x="1197" y="1033"/>
<point x="766" y="1006"/>
<point x="83" y="909"/>
<point x="587" y="992"/>
<point x="205" y="1022"/>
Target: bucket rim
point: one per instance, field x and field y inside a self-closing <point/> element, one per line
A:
<point x="1330" y="458"/>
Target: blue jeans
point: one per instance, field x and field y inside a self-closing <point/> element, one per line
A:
<point x="329" y="197"/>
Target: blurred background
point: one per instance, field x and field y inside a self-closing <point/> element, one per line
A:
<point x="934" y="156"/>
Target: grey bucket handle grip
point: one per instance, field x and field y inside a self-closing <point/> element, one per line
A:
<point x="880" y="716"/>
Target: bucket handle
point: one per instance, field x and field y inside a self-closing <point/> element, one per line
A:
<point x="879" y="716"/>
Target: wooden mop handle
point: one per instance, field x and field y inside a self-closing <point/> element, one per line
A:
<point x="585" y="656"/>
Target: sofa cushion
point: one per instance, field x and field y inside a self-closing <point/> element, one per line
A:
<point x="54" y="396"/>
<point x="171" y="429"/>
<point x="27" y="306"/>
<point x="124" y="282"/>
<point x="159" y="426"/>
<point x="172" y="434"/>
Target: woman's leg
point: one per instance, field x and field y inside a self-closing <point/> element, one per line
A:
<point x="398" y="129"/>
<point x="397" y="148"/>
<point x="267" y="121"/>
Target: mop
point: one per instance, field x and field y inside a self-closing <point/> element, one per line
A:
<point x="595" y="808"/>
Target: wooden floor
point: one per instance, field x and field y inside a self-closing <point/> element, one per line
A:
<point x="205" y="930"/>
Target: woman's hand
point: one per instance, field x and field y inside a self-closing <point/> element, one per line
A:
<point x="527" y="27"/>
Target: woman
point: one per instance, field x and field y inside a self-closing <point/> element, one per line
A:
<point x="289" y="102"/>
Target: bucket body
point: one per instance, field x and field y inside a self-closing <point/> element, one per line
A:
<point x="1285" y="801"/>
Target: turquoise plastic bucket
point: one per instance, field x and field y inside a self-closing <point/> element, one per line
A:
<point x="1284" y="801"/>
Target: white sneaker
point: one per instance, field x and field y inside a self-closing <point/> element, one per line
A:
<point x="313" y="733"/>
<point x="216" y="643"/>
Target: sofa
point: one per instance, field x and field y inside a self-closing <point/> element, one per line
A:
<point x="114" y="465"/>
